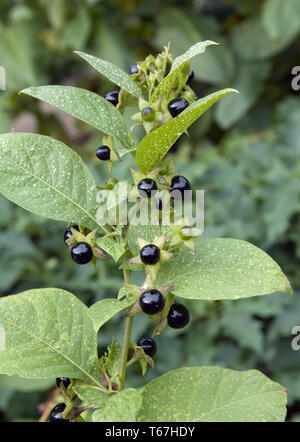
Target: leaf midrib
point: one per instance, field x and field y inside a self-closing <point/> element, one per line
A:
<point x="51" y="187"/>
<point x="38" y="338"/>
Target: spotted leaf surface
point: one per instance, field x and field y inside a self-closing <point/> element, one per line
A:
<point x="47" y="178"/>
<point x="213" y="394"/>
<point x="122" y="407"/>
<point x="113" y="73"/>
<point x="86" y="106"/>
<point x="223" y="269"/>
<point x="166" y="84"/>
<point x="48" y="333"/>
<point x="156" y="144"/>
<point x="103" y="310"/>
<point x="112" y="247"/>
<point x="91" y="396"/>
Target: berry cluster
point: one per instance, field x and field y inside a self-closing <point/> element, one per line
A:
<point x="157" y="303"/>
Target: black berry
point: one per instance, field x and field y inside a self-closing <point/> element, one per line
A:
<point x="56" y="413"/>
<point x="68" y="233"/>
<point x="82" y="253"/>
<point x="150" y="254"/>
<point x="178" y="316"/>
<point x="65" y="381"/>
<point x="177" y="105"/>
<point x="190" y="78"/>
<point x="113" y="97"/>
<point x="147" y="187"/>
<point x="103" y="153"/>
<point x="148" y="345"/>
<point x="180" y="184"/>
<point x="152" y="302"/>
<point x="134" y="69"/>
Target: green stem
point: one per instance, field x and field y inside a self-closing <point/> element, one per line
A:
<point x="126" y="341"/>
<point x="124" y="355"/>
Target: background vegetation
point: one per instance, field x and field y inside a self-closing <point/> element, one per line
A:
<point x="245" y="153"/>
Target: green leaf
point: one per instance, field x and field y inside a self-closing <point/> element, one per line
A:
<point x="179" y="63"/>
<point x="47" y="178"/>
<point x="112" y="247"/>
<point x="91" y="396"/>
<point x="113" y="73"/>
<point x="249" y="81"/>
<point x="213" y="394"/>
<point x="251" y="41"/>
<point x="20" y="55"/>
<point x="48" y="334"/>
<point x="110" y="361"/>
<point x="86" y="106"/>
<point x="156" y="144"/>
<point x="122" y="407"/>
<point x="223" y="269"/>
<point x="281" y="19"/>
<point x="103" y="310"/>
<point x="213" y="67"/>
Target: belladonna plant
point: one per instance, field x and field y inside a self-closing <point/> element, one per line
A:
<point x="50" y="333"/>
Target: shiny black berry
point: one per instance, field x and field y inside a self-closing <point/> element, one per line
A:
<point x="147" y="187"/>
<point x="56" y="413"/>
<point x="150" y="254"/>
<point x="148" y="345"/>
<point x="65" y="381"/>
<point x="177" y="106"/>
<point x="190" y="78"/>
<point x="179" y="184"/>
<point x="82" y="253"/>
<point x="113" y="97"/>
<point x="134" y="69"/>
<point x="68" y="233"/>
<point x="103" y="153"/>
<point x="152" y="302"/>
<point x="178" y="316"/>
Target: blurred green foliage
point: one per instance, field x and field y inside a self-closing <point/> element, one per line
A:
<point x="245" y="153"/>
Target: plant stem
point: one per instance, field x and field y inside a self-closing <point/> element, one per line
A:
<point x="126" y="341"/>
<point x="124" y="355"/>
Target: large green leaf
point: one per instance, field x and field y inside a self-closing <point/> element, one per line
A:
<point x="48" y="334"/>
<point x="249" y="81"/>
<point x="113" y="73"/>
<point x="20" y="54"/>
<point x="122" y="407"/>
<point x="213" y="394"/>
<point x="251" y="41"/>
<point x="156" y="144"/>
<point x="47" y="178"/>
<point x="223" y="269"/>
<point x="179" y="63"/>
<point x="101" y="311"/>
<point x="86" y="106"/>
<point x="91" y="396"/>
<point x="281" y="19"/>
